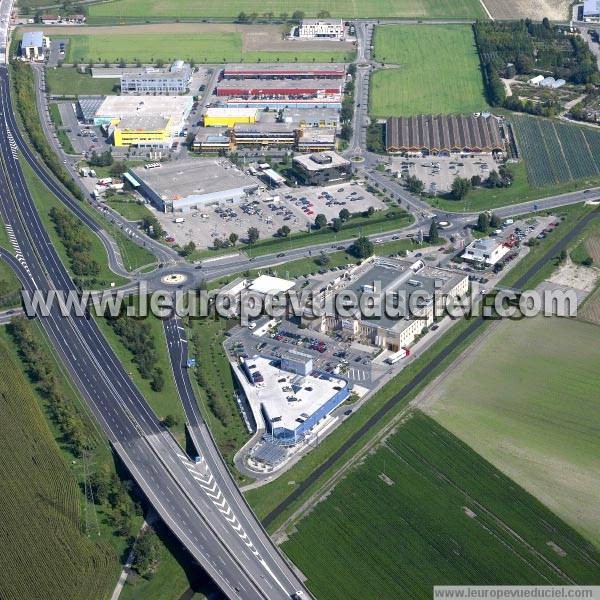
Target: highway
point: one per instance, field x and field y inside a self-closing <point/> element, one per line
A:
<point x="242" y="561"/>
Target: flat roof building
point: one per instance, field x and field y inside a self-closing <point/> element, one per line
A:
<point x="263" y="134"/>
<point x="321" y="28"/>
<point x="285" y="71"/>
<point x="444" y="134"/>
<point x="265" y="284"/>
<point x="187" y="184"/>
<point x="321" y="168"/>
<point x="174" y="80"/>
<point x="274" y="88"/>
<point x="312" y="117"/>
<point x="142" y="131"/>
<point x="211" y="140"/>
<point x="315" y="140"/>
<point x="173" y="108"/>
<point x="228" y="117"/>
<point x="87" y="107"/>
<point x="398" y="280"/>
<point x="34" y="45"/>
<point x="591" y="11"/>
<point x="485" y="251"/>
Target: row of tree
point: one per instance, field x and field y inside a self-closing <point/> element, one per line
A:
<point x="41" y="372"/>
<point x="77" y="241"/>
<point x="136" y="335"/>
<point x="24" y="88"/>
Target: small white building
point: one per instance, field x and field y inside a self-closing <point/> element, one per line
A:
<point x="34" y="45"/>
<point x="550" y="82"/>
<point x="536" y="80"/>
<point x="321" y="28"/>
<point x="486" y="252"/>
<point x="591" y="11"/>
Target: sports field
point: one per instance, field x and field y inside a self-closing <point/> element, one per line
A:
<point x="128" y="10"/>
<point x="556" y="152"/>
<point x="437" y="71"/>
<point x="43" y="551"/>
<point x="425" y="509"/>
<point x="199" y="47"/>
<point x="526" y="398"/>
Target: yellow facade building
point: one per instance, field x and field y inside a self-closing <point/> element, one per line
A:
<point x="228" y="117"/>
<point x="141" y="131"/>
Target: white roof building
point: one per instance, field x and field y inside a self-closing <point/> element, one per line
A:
<point x="266" y="283"/>
<point x="536" y="80"/>
<point x="321" y="28"/>
<point x="486" y="251"/>
<point x="591" y="10"/>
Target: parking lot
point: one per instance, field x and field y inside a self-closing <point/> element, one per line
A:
<point x="438" y="173"/>
<point x="267" y="211"/>
<point x="332" y="353"/>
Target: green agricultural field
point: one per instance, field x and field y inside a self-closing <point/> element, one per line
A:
<point x="555" y="152"/>
<point x="45" y="553"/>
<point x="426" y="510"/>
<point x="527" y="400"/>
<point x="433" y="69"/>
<point x="153" y="10"/>
<point x="201" y="48"/>
<point x="68" y="81"/>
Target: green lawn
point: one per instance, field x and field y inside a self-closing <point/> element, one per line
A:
<point x="45" y="201"/>
<point x="128" y="207"/>
<point x="70" y="82"/>
<point x="142" y="10"/>
<point x="527" y="401"/>
<point x="426" y="510"/>
<point x="203" y="47"/>
<point x="437" y="71"/>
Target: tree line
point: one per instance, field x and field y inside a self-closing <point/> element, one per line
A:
<point x="24" y="95"/>
<point x="78" y="244"/>
<point x="136" y="335"/>
<point x="41" y="372"/>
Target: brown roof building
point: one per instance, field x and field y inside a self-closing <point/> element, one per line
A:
<point x="444" y="134"/>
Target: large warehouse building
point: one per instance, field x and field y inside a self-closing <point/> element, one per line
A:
<point x="147" y="121"/>
<point x="183" y="185"/>
<point x="285" y="71"/>
<point x="274" y="88"/>
<point x="228" y="117"/>
<point x="444" y="135"/>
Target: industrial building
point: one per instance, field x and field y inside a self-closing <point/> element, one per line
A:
<point x="444" y="135"/>
<point x="321" y="28"/>
<point x="275" y="88"/>
<point x="591" y="11"/>
<point x="485" y="252"/>
<point x="285" y="71"/>
<point x="146" y="131"/>
<point x="183" y="185"/>
<point x="290" y="402"/>
<point x="147" y="121"/>
<point x="174" y="80"/>
<point x="322" y="168"/>
<point x="397" y="280"/>
<point x="34" y="45"/>
<point x="228" y="117"/>
<point x="87" y="107"/>
<point x="328" y="102"/>
<point x="323" y="117"/>
<point x="263" y="134"/>
<point x="211" y="140"/>
<point x="315" y="140"/>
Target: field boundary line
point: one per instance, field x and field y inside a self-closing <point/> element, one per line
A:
<point x="487" y="12"/>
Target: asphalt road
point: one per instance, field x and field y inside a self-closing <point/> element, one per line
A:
<point x="176" y="487"/>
